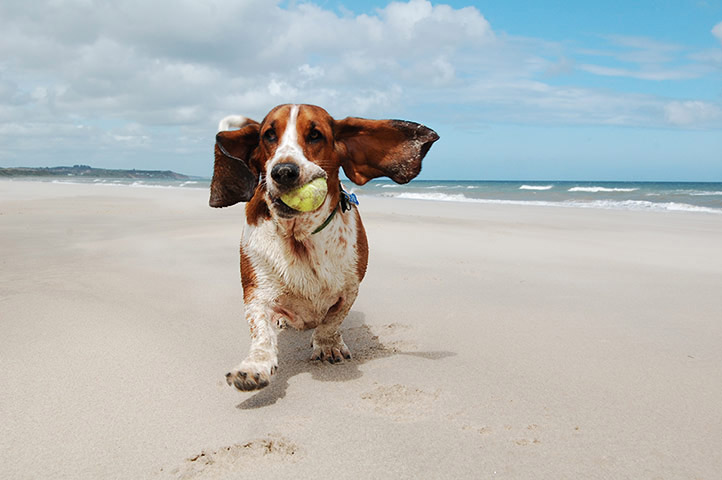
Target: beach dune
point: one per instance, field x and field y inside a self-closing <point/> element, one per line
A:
<point x="489" y="341"/>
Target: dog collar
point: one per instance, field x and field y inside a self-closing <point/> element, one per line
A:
<point x="345" y="202"/>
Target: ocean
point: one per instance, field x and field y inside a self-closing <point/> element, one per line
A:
<point x="701" y="197"/>
<point x="659" y="196"/>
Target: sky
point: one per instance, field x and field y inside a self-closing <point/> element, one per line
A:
<point x="517" y="90"/>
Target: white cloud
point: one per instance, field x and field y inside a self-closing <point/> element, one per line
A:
<point x="642" y="58"/>
<point x="281" y="89"/>
<point x="691" y="113"/>
<point x="311" y="73"/>
<point x="654" y="74"/>
<point x="119" y="59"/>
<point x="643" y="49"/>
<point x="717" y="31"/>
<point x="562" y="66"/>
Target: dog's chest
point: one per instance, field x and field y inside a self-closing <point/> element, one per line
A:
<point x="316" y="268"/>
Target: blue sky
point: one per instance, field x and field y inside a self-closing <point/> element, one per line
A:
<point x="517" y="90"/>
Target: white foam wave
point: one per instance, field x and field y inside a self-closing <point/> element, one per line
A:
<point x="697" y="193"/>
<point x="536" y="187"/>
<point x="599" y="204"/>
<point x="601" y="189"/>
<point x="114" y="183"/>
<point x="645" y="205"/>
<point x="705" y="194"/>
<point x="440" y="197"/>
<point x="142" y="184"/>
<point x="135" y="185"/>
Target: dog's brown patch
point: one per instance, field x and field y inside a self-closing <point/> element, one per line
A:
<point x="298" y="248"/>
<point x="248" y="277"/>
<point x="362" y="249"/>
<point x="256" y="208"/>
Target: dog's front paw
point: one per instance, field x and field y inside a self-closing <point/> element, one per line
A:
<point x="250" y="375"/>
<point x="334" y="351"/>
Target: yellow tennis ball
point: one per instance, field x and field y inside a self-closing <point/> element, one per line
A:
<point x="306" y="197"/>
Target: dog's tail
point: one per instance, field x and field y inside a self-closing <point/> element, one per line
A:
<point x="232" y="122"/>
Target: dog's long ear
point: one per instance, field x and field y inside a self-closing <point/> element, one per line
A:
<point x="234" y="175"/>
<point x="381" y="148"/>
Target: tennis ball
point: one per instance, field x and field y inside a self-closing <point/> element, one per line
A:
<point x="306" y="197"/>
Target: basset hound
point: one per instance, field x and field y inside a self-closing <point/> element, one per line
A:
<point x="303" y="268"/>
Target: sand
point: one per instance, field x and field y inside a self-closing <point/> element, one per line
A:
<point x="490" y="341"/>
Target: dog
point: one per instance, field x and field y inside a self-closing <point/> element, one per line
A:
<point x="303" y="269"/>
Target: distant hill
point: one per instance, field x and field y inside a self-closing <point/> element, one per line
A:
<point x="87" y="171"/>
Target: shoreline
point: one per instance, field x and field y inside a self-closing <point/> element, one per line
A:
<point x="451" y="197"/>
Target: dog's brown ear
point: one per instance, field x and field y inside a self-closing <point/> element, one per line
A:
<point x="381" y="148"/>
<point x="234" y="176"/>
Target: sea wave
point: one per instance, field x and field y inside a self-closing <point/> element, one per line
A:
<point x="139" y="184"/>
<point x="645" y="205"/>
<point x="439" y="197"/>
<point x="598" y="204"/>
<point x="601" y="189"/>
<point x="536" y="187"/>
<point x="65" y="182"/>
<point x="704" y="194"/>
<point x="115" y="183"/>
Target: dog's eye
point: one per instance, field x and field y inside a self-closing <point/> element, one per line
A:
<point x="270" y="135"/>
<point x="314" y="136"/>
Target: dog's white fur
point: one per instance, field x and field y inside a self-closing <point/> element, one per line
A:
<point x="232" y="122"/>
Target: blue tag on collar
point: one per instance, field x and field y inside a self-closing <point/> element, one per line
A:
<point x="347" y="199"/>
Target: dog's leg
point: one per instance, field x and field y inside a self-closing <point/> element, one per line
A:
<point x="327" y="342"/>
<point x="255" y="371"/>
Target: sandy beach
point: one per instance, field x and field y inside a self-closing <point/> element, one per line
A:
<point x="489" y="341"/>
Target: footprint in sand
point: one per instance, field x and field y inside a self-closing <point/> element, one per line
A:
<point x="380" y="342"/>
<point x="521" y="436"/>
<point x="399" y="402"/>
<point x="214" y="463"/>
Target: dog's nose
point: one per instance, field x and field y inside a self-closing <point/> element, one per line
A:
<point x="285" y="173"/>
